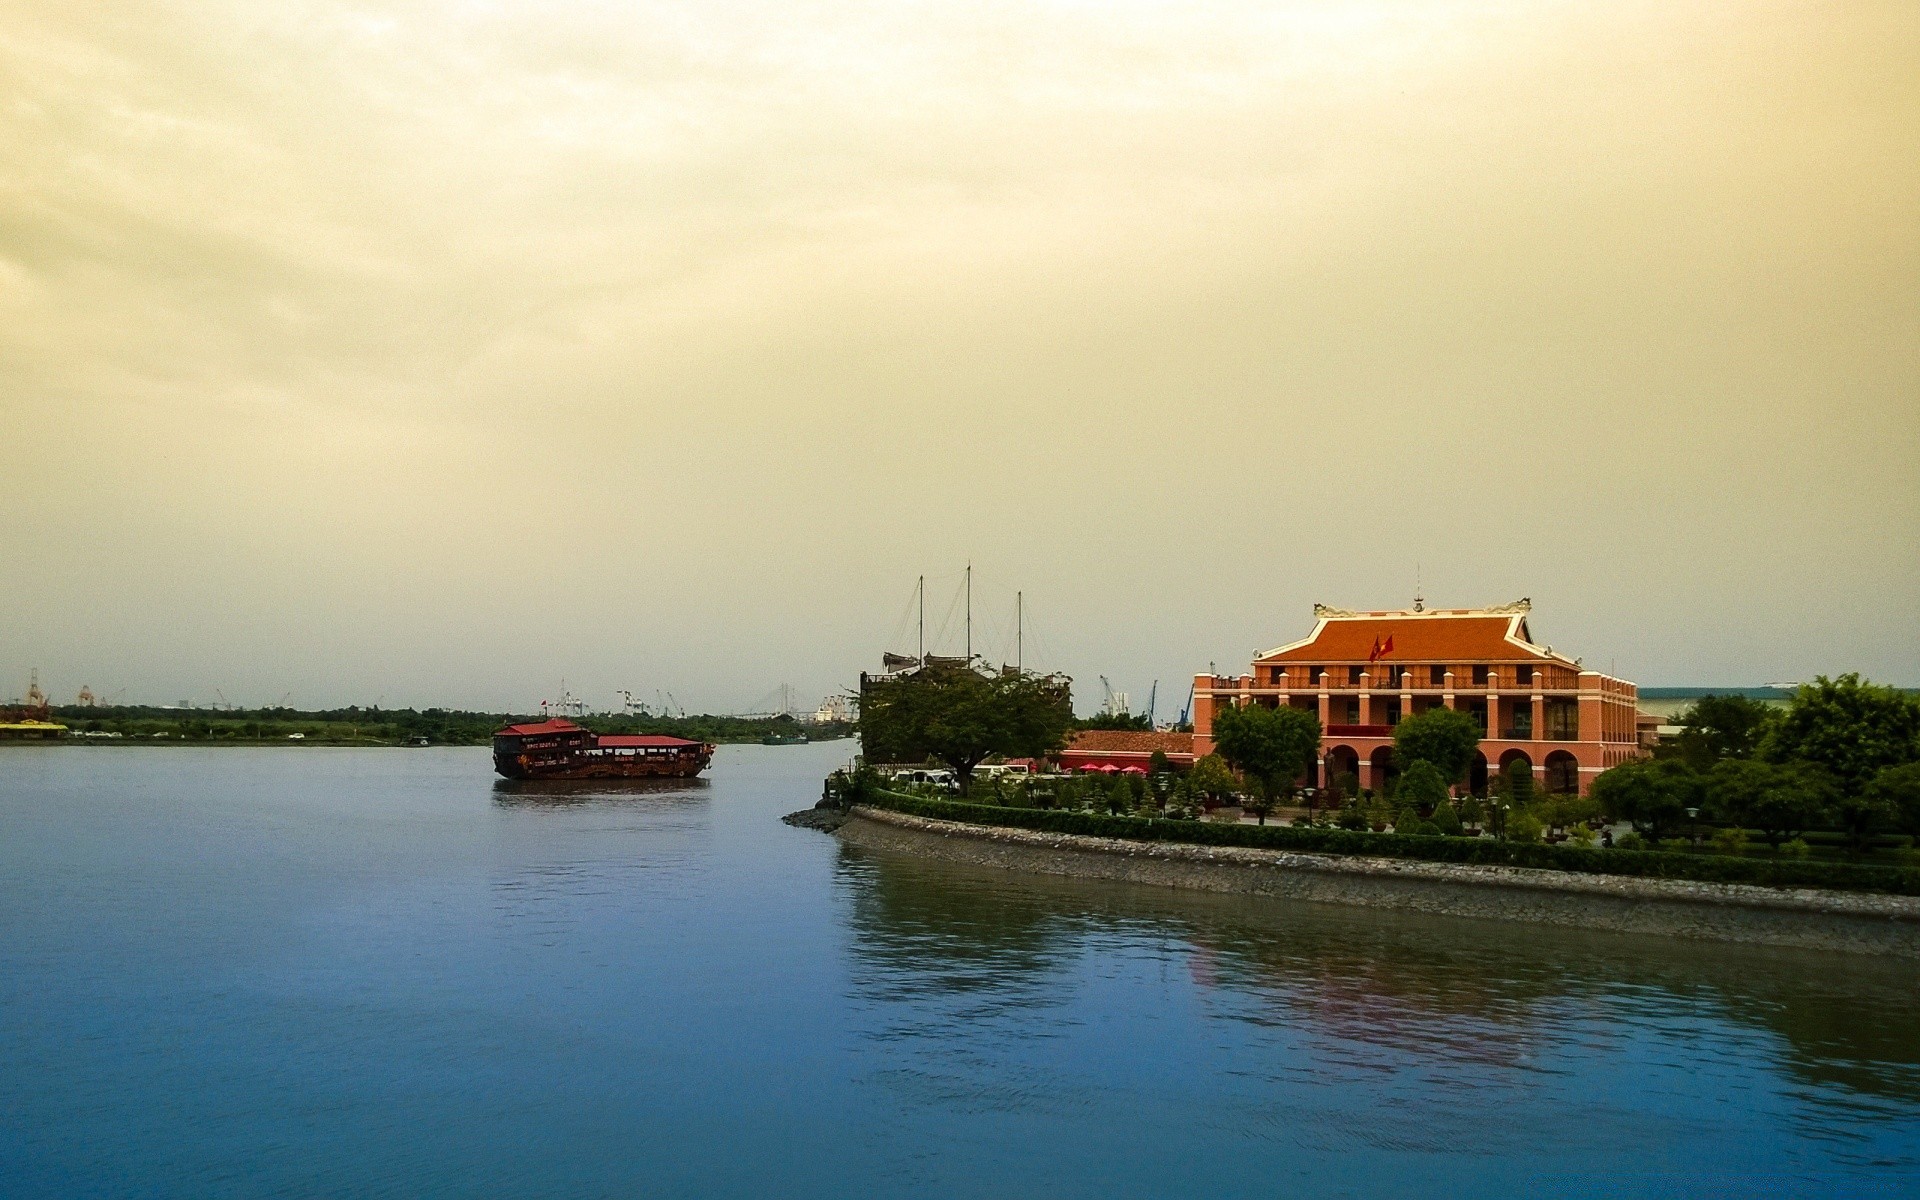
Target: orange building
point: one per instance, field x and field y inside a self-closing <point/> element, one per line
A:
<point x="1361" y="673"/>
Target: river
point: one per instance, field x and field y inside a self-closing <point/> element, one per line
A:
<point x="331" y="972"/>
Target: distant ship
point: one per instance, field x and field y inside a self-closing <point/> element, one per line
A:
<point x="784" y="739"/>
<point x="559" y="749"/>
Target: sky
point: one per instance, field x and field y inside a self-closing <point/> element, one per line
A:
<point x="436" y="353"/>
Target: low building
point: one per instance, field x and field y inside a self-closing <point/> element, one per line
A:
<point x="1118" y="749"/>
<point x="1362" y="673"/>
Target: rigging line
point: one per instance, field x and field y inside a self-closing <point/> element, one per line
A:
<point x="941" y="639"/>
<point x="905" y="623"/>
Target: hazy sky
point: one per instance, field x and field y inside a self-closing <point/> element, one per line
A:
<point x="434" y="352"/>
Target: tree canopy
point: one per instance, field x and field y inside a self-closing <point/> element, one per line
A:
<point x="1897" y="789"/>
<point x="1273" y="745"/>
<point x="961" y="717"/>
<point x="1445" y="737"/>
<point x="1853" y="729"/>
<point x="1653" y="794"/>
<point x="1210" y="777"/>
<point x="1781" y="801"/>
<point x="1718" y="727"/>
<point x="1422" y="786"/>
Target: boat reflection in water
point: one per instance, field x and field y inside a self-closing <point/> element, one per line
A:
<point x="574" y="793"/>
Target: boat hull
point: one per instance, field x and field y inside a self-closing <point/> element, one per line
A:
<point x="526" y="766"/>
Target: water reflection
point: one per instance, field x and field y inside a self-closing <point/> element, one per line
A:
<point x="573" y="793"/>
<point x="1347" y="992"/>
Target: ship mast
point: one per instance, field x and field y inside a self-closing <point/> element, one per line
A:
<point x="923" y="620"/>
<point x="969" y="614"/>
<point x="1020" y="632"/>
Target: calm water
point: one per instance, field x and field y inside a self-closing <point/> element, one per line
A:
<point x="311" y="972"/>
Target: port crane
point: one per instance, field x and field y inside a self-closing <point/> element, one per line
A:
<point x="1153" y="696"/>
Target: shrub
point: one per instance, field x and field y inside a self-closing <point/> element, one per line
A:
<point x="1797" y="848"/>
<point x="1623" y="860"/>
<point x="1470" y="811"/>
<point x="1422" y="787"/>
<point x="1426" y="829"/>
<point x="1674" y="845"/>
<point x="1405" y="819"/>
<point x="1731" y="840"/>
<point x="1582" y="835"/>
<point x="1351" y="816"/>
<point x="1524" y="827"/>
<point x="1445" y="820"/>
<point x="1629" y="841"/>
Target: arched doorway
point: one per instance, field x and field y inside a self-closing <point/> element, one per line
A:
<point x="1563" y="773"/>
<point x="1385" y="773"/>
<point x="1344" y="761"/>
<point x="1477" y="774"/>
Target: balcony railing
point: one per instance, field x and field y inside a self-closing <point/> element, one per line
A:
<point x="1341" y="683"/>
<point x="1359" y="731"/>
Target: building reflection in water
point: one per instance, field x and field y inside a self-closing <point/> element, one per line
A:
<point x="1344" y="993"/>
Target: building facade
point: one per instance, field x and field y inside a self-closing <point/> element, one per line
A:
<point x="1362" y="673"/>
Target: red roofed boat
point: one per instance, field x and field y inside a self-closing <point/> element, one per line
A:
<point x="559" y="749"/>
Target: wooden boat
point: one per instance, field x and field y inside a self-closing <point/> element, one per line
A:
<point x="560" y="749"/>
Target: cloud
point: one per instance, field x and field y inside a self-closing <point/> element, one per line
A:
<point x="420" y="319"/>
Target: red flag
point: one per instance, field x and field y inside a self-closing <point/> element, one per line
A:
<point x="1380" y="648"/>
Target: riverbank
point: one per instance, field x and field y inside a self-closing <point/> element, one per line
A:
<point x="1854" y="922"/>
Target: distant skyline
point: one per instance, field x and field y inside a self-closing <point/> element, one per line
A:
<point x="432" y="353"/>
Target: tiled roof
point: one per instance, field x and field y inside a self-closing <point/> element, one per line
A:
<point x="1418" y="637"/>
<point x="554" y="725"/>
<point x="1128" y="741"/>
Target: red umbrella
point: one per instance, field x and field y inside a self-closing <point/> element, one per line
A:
<point x="1133" y="770"/>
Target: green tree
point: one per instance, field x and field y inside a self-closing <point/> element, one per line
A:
<point x="1405" y="820"/>
<point x="1212" y="778"/>
<point x="959" y="717"/>
<point x="1422" y="786"/>
<point x="1137" y="723"/>
<point x="1515" y="784"/>
<point x="1119" y="796"/>
<point x="1718" y="727"/>
<point x="1652" y="794"/>
<point x="1379" y="815"/>
<point x="1851" y="728"/>
<point x="1445" y="737"/>
<point x="1445" y="819"/>
<point x="1898" y="789"/>
<point x="1470" y="813"/>
<point x="1780" y="801"/>
<point x="1272" y="744"/>
<point x="1158" y="763"/>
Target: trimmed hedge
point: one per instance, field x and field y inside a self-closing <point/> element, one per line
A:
<point x="1848" y="877"/>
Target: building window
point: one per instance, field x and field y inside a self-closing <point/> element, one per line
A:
<point x="1319" y="674"/>
<point x="1525" y="673"/>
<point x="1393" y="712"/>
<point x="1353" y="674"/>
<point x="1480" y="676"/>
<point x="1353" y="712"/>
<point x="1437" y="676"/>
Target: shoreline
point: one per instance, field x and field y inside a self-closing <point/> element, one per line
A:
<point x="1853" y="922"/>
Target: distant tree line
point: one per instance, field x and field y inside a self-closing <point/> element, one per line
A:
<point x="354" y="725"/>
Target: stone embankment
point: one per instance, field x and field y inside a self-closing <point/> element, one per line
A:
<point x="1851" y="921"/>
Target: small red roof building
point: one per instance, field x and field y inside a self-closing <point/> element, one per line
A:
<point x="1092" y="749"/>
